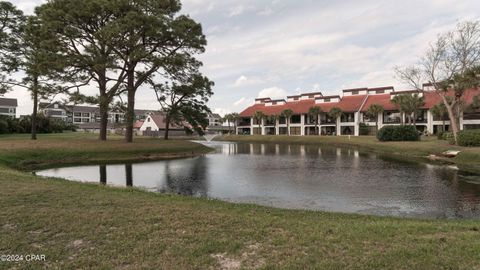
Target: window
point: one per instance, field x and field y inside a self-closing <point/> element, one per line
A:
<point x="391" y="117"/>
<point x="347" y="117"/>
<point x="282" y="120"/>
<point x="85" y="114"/>
<point x="326" y="119"/>
<point x="296" y="119"/>
<point x="295" y="131"/>
<point x="355" y="92"/>
<point x="77" y="114"/>
<point x="148" y="119"/>
<point x="368" y="118"/>
<point x="282" y="131"/>
<point x="77" y="120"/>
<point x="380" y="91"/>
<point x="310" y="119"/>
<point x="422" y="116"/>
<point x="270" y="122"/>
<point x="348" y="130"/>
<point x="295" y="98"/>
<point x="85" y="120"/>
<point x="327" y="100"/>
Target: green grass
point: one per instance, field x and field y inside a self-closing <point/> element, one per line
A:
<point x="77" y="148"/>
<point x="81" y="226"/>
<point x="467" y="160"/>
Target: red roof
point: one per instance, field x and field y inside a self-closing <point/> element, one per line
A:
<point x="351" y="103"/>
<point x="138" y="124"/>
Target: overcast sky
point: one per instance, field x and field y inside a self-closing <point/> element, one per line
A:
<point x="259" y="48"/>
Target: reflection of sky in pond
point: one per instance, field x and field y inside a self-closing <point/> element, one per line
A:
<point x="301" y="177"/>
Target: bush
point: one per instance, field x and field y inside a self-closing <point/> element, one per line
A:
<point x="398" y="133"/>
<point x="3" y="127"/>
<point x="363" y="129"/>
<point x="469" y="138"/>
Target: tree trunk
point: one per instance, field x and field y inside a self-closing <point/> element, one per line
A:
<point x="167" y="127"/>
<point x="288" y="127"/>
<point x="104" y="103"/>
<point x="35" y="108"/>
<point x="452" y="117"/>
<point x="130" y="116"/>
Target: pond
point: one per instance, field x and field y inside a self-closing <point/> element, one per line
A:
<point x="300" y="177"/>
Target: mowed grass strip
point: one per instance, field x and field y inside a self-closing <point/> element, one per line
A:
<point x="80" y="226"/>
<point x="467" y="160"/>
<point x="61" y="149"/>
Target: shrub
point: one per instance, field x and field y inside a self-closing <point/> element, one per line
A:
<point x="440" y="135"/>
<point x="363" y="129"/>
<point x="398" y="133"/>
<point x="468" y="138"/>
<point x="3" y="127"/>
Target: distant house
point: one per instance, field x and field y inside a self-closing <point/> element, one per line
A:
<point x="214" y="119"/>
<point x="154" y="125"/>
<point x="87" y="118"/>
<point x="8" y="106"/>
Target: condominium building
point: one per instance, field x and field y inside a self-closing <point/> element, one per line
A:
<point x="87" y="117"/>
<point x="354" y="104"/>
<point x="8" y="106"/>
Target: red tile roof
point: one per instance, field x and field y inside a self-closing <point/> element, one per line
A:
<point x="351" y="103"/>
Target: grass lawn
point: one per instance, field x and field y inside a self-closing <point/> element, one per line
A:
<point x="467" y="160"/>
<point x="81" y="226"/>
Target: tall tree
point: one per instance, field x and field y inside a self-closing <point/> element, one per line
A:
<point x="34" y="65"/>
<point x="409" y="105"/>
<point x="259" y="116"/>
<point x="83" y="36"/>
<point x="151" y="40"/>
<point x="229" y="119"/>
<point x="184" y="100"/>
<point x="439" y="110"/>
<point x="448" y="65"/>
<point x="373" y="111"/>
<point x="11" y="22"/>
<point x="336" y="113"/>
<point x="287" y="113"/>
<point x="314" y="112"/>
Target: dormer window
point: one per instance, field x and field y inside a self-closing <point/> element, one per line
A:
<point x="295" y="98"/>
<point x="380" y="91"/>
<point x="326" y="100"/>
<point x="355" y="92"/>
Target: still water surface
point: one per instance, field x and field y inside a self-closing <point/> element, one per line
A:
<point x="300" y="177"/>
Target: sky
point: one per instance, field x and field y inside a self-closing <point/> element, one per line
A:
<point x="275" y="48"/>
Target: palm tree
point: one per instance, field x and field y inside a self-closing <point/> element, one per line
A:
<point x="273" y="118"/>
<point x="439" y="111"/>
<point x="287" y="113"/>
<point x="314" y="112"/>
<point x="259" y="115"/>
<point x="373" y="111"/>
<point x="336" y="113"/>
<point x="409" y="105"/>
<point x="229" y="119"/>
<point x="235" y="118"/>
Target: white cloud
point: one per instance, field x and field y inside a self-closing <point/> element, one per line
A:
<point x="273" y="92"/>
<point x="237" y="10"/>
<point x="239" y="102"/>
<point x="240" y="81"/>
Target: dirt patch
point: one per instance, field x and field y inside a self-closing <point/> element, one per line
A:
<point x="249" y="259"/>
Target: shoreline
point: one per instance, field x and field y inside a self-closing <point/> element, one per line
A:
<point x="467" y="161"/>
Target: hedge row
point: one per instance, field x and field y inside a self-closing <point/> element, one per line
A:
<point x="398" y="133"/>
<point x="10" y="125"/>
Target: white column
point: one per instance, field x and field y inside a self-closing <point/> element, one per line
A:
<point x="429" y="122"/>
<point x="357" y="124"/>
<point x="302" y="124"/>
<point x="337" y="132"/>
<point x="460" y="121"/>
<point x="277" y="127"/>
<point x="251" y="126"/>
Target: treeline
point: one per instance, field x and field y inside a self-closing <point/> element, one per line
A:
<point x="9" y="125"/>
<point x="114" y="46"/>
